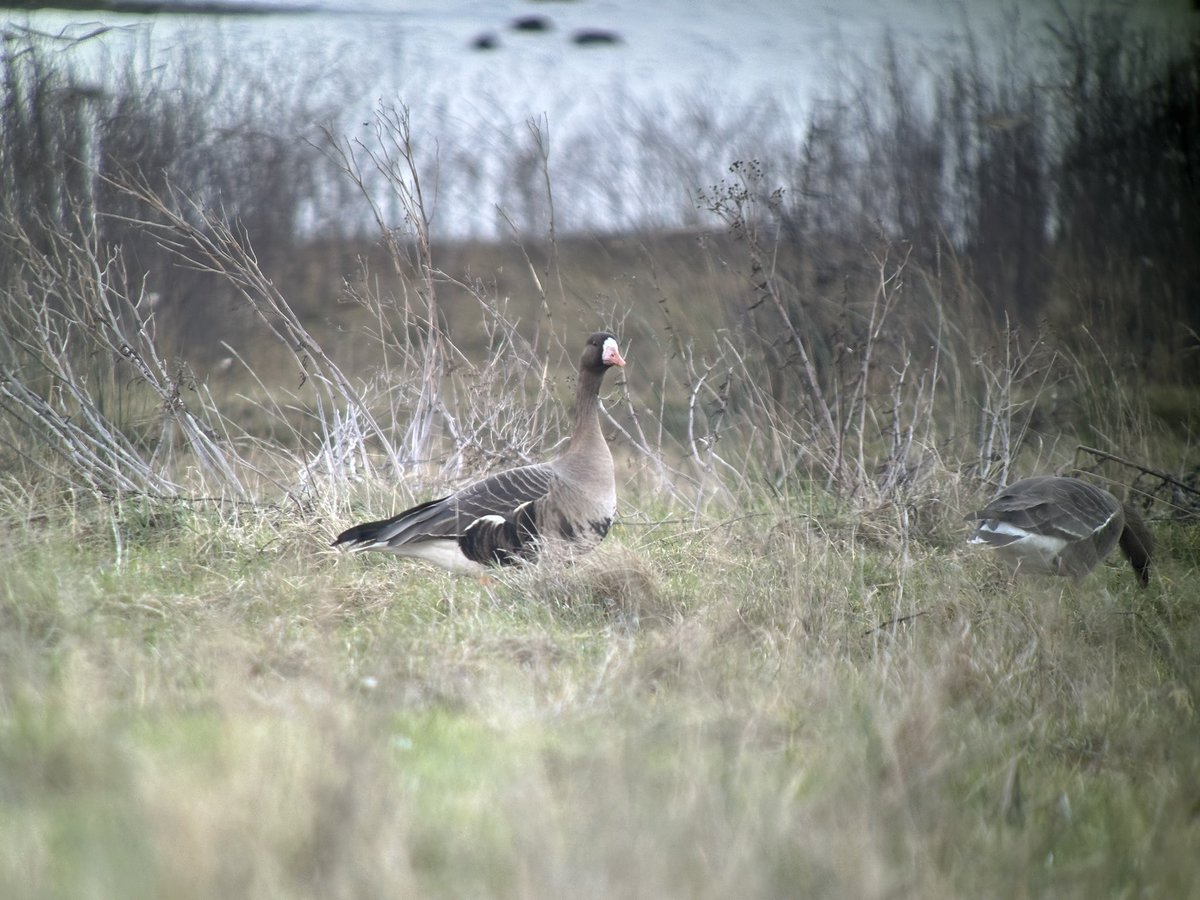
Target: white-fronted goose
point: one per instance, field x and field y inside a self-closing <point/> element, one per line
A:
<point x="509" y="516"/>
<point x="1062" y="526"/>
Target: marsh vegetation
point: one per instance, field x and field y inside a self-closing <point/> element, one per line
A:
<point x="782" y="674"/>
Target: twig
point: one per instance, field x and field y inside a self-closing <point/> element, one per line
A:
<point x="892" y="623"/>
<point x="1157" y="473"/>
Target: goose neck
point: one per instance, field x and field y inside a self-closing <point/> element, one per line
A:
<point x="587" y="410"/>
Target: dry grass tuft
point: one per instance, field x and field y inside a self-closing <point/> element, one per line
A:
<point x="612" y="581"/>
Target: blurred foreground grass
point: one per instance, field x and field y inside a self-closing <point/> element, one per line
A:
<point x="222" y="707"/>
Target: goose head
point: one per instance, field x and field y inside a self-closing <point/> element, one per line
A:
<point x="600" y="353"/>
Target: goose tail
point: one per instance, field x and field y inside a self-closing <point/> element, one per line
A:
<point x="389" y="533"/>
<point x="360" y="537"/>
<point x="1137" y="543"/>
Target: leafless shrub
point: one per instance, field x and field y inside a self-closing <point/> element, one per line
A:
<point x="228" y="132"/>
<point x="839" y="383"/>
<point x="1015" y="379"/>
<point x="861" y="406"/>
<point x="430" y="409"/>
<point x="494" y="412"/>
<point x="80" y="348"/>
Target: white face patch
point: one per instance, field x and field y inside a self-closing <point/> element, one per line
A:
<point x="610" y="354"/>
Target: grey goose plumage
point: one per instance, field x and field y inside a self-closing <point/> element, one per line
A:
<point x="1062" y="526"/>
<point x="510" y="516"/>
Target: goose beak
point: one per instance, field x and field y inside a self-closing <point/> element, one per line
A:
<point x="611" y="355"/>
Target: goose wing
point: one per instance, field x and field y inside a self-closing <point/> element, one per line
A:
<point x="493" y="520"/>
<point x="1063" y="509"/>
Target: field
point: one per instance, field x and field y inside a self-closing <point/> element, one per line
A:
<point x="782" y="674"/>
<point x="201" y="703"/>
<point x="208" y="705"/>
<point x="758" y="685"/>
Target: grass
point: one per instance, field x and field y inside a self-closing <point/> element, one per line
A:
<point x="782" y="674"/>
<point x="224" y="707"/>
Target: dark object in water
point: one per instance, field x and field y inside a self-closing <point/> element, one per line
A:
<point x="532" y="23"/>
<point x="595" y="37"/>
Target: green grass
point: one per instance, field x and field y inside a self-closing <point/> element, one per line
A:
<point x="227" y="708"/>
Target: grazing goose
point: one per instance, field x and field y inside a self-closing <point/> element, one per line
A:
<point x="1062" y="526"/>
<point x="508" y="516"/>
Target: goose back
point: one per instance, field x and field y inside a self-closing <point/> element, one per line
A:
<point x="1061" y="526"/>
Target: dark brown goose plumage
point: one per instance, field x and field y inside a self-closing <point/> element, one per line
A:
<point x="1062" y="526"/>
<point x="508" y="517"/>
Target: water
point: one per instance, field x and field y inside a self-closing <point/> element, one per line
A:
<point x="709" y="82"/>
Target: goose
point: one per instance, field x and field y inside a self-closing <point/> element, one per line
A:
<point x="511" y="516"/>
<point x="1062" y="526"/>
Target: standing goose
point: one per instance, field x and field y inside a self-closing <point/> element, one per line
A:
<point x="508" y="516"/>
<point x="1062" y="526"/>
